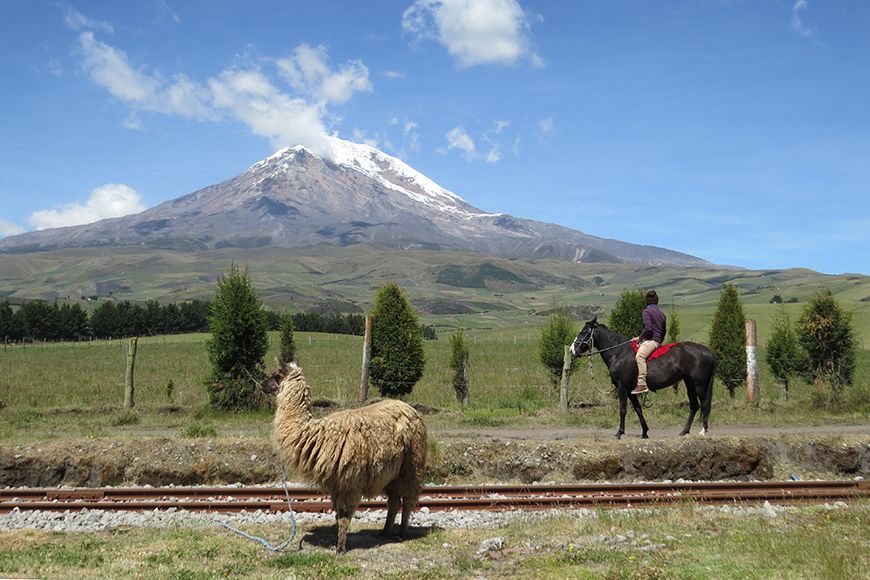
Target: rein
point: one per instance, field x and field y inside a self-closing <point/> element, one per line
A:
<point x="600" y="350"/>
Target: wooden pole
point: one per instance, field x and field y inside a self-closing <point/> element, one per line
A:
<point x="128" y="384"/>
<point x="751" y="362"/>
<point x="566" y="377"/>
<point x="366" y="360"/>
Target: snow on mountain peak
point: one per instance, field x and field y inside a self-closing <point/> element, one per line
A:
<point x="387" y="170"/>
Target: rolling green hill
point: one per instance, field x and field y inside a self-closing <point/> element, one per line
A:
<point x="483" y="291"/>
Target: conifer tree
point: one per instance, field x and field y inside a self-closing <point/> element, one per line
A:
<point x="238" y="343"/>
<point x="557" y="333"/>
<point x="784" y="355"/>
<point x="673" y="324"/>
<point x="459" y="363"/>
<point x="627" y="315"/>
<point x="728" y="338"/>
<point x="826" y="334"/>
<point x="287" y="341"/>
<point x="397" y="343"/>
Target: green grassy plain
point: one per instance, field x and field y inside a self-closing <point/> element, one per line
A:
<point x="76" y="389"/>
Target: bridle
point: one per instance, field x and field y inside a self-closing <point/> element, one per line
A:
<point x="591" y="342"/>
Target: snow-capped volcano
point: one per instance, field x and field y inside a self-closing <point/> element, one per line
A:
<point x="356" y="194"/>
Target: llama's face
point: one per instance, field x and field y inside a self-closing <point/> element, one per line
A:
<point x="272" y="385"/>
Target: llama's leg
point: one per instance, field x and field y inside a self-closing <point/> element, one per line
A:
<point x="639" y="411"/>
<point x="408" y="505"/>
<point x="623" y="407"/>
<point x="343" y="515"/>
<point x="394" y="500"/>
<point x="694" y="404"/>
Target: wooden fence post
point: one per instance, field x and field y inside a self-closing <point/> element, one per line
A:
<point x="366" y="360"/>
<point x="128" y="383"/>
<point x="566" y="377"/>
<point x="751" y="362"/>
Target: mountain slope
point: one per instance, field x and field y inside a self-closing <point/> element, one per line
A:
<point x="358" y="194"/>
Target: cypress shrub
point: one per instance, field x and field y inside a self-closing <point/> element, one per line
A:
<point x="287" y="348"/>
<point x="784" y="354"/>
<point x="238" y="343"/>
<point x="728" y="338"/>
<point x="627" y="314"/>
<point x="397" y="343"/>
<point x="826" y="334"/>
<point x="459" y="363"/>
<point x="557" y="333"/>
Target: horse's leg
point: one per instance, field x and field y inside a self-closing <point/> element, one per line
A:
<point x="707" y="403"/>
<point x="639" y="410"/>
<point x="694" y="404"/>
<point x="623" y="407"/>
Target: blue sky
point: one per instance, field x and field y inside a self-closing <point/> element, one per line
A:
<point x="734" y="130"/>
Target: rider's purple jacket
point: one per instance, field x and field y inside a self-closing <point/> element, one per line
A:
<point x="654" y="324"/>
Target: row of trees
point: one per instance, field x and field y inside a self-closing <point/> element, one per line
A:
<point x="38" y="320"/>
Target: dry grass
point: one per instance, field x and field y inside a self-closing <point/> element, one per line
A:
<point x="688" y="542"/>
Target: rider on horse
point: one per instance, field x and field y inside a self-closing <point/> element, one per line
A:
<point x="654" y="327"/>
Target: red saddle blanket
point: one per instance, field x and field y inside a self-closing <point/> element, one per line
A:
<point x="662" y="350"/>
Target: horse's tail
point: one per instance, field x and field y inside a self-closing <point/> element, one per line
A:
<point x="708" y="396"/>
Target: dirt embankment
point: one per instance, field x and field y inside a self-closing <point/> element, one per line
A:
<point x="161" y="461"/>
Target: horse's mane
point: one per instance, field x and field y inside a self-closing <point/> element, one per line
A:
<point x="618" y="335"/>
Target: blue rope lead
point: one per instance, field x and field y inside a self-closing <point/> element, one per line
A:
<point x="265" y="543"/>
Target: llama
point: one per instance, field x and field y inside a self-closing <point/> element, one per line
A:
<point x="365" y="452"/>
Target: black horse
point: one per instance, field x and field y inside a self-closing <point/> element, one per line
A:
<point x="690" y="362"/>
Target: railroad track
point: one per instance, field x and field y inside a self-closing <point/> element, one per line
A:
<point x="434" y="498"/>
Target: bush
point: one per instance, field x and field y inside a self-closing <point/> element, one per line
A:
<point x="627" y="314"/>
<point x="826" y="334"/>
<point x="558" y="332"/>
<point x="784" y="354"/>
<point x="728" y="338"/>
<point x="238" y="344"/>
<point x="673" y="324"/>
<point x="287" y="349"/>
<point x="397" y="343"/>
<point x="459" y="363"/>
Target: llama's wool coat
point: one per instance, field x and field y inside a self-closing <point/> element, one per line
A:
<point x="351" y="454"/>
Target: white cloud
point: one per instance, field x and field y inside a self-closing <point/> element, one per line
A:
<point x="493" y="155"/>
<point x="499" y="126"/>
<point x="307" y="71"/>
<point x="249" y="97"/>
<point x="10" y="229"/>
<point x="110" y="68"/>
<point x="797" y="23"/>
<point x="474" y="32"/>
<point x="412" y="134"/>
<point x="107" y="201"/>
<point x="392" y="74"/>
<point x="546" y="127"/>
<point x="75" y="20"/>
<point x="457" y="138"/>
<point x="243" y="94"/>
<point x="170" y="11"/>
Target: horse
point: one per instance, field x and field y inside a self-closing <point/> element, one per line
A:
<point x="689" y="362"/>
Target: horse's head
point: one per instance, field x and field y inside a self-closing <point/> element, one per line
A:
<point x="583" y="342"/>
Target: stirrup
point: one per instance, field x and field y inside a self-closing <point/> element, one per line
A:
<point x="639" y="390"/>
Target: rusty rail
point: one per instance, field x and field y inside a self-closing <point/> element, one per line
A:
<point x="434" y="498"/>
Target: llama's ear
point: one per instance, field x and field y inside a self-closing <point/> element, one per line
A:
<point x="282" y="366"/>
